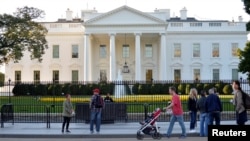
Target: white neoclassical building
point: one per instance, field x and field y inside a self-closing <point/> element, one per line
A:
<point x="138" y="45"/>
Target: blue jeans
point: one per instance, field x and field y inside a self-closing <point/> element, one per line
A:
<point x="178" y="118"/>
<point x="193" y="115"/>
<point x="95" y="118"/>
<point x="203" y="124"/>
<point x="214" y="116"/>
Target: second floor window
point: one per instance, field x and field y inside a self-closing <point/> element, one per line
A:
<point x="55" y="51"/>
<point x="125" y="51"/>
<point x="177" y="50"/>
<point x="148" y="50"/>
<point x="75" y="51"/>
<point x="103" y="51"/>
<point x="215" y="50"/>
<point x="234" y="49"/>
<point x="196" y="50"/>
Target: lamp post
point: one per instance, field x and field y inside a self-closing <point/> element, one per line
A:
<point x="9" y="90"/>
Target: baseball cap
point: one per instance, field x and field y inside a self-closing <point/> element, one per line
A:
<point x="96" y="90"/>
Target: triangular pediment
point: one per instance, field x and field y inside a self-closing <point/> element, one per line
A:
<point x="124" y="16"/>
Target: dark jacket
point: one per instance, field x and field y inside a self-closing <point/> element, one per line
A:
<point x="213" y="103"/>
<point x="192" y="104"/>
<point x="201" y="104"/>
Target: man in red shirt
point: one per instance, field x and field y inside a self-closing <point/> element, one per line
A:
<point x="177" y="113"/>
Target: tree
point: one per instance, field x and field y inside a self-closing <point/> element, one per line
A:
<point x="19" y="32"/>
<point x="244" y="55"/>
<point x="247" y="10"/>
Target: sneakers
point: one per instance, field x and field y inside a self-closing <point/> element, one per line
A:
<point x="182" y="137"/>
<point x="67" y="131"/>
<point x="192" y="131"/>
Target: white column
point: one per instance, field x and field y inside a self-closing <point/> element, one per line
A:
<point x="163" y="64"/>
<point x="138" y="56"/>
<point x="86" y="58"/>
<point x="112" y="58"/>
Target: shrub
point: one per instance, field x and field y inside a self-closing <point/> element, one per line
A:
<point x="227" y="89"/>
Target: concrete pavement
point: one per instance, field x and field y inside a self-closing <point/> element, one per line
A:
<point x="81" y="130"/>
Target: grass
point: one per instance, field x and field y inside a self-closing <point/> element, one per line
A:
<point x="135" y="103"/>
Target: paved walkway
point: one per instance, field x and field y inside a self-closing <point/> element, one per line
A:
<point x="79" y="130"/>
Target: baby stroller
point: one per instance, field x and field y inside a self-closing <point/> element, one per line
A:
<point x="150" y="127"/>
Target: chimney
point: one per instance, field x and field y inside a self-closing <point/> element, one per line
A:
<point x="69" y="15"/>
<point x="240" y="19"/>
<point x="183" y="13"/>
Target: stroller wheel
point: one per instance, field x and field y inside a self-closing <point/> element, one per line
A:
<point x="139" y="136"/>
<point x="156" y="136"/>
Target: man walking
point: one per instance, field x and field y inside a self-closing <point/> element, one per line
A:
<point x="213" y="107"/>
<point x="96" y="104"/>
<point x="177" y="113"/>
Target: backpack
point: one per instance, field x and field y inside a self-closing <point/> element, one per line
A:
<point x="246" y="100"/>
<point x="98" y="101"/>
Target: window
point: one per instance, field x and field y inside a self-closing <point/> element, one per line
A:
<point x="234" y="49"/>
<point x="197" y="74"/>
<point x="148" y="51"/>
<point x="235" y="74"/>
<point x="75" y="51"/>
<point x="177" y="50"/>
<point x="103" y="75"/>
<point x="55" y="51"/>
<point x="56" y="75"/>
<point x="214" y="24"/>
<point x="36" y="76"/>
<point x="216" y="74"/>
<point x="196" y="50"/>
<point x="74" y="75"/>
<point x="177" y="74"/>
<point x="215" y="50"/>
<point x="195" y="24"/>
<point x="103" y="51"/>
<point x="17" y="76"/>
<point x="125" y="51"/>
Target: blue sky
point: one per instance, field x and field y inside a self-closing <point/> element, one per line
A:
<point x="201" y="9"/>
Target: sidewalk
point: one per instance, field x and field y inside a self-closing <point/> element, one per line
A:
<point x="81" y="130"/>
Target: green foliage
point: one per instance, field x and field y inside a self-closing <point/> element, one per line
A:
<point x="19" y="33"/>
<point x="244" y="65"/>
<point x="2" y="79"/>
<point x="135" y="88"/>
<point x="227" y="89"/>
<point x="181" y="88"/>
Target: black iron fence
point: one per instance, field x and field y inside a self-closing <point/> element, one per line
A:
<point x="41" y="102"/>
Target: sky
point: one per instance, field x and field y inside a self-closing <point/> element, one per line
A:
<point x="200" y="9"/>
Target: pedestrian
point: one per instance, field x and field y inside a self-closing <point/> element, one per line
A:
<point x="68" y="112"/>
<point x="192" y="108"/>
<point x="213" y="107"/>
<point x="108" y="98"/>
<point x="203" y="115"/>
<point x="96" y="105"/>
<point x="177" y="113"/>
<point x="241" y="112"/>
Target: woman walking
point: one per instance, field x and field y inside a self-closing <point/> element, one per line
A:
<point x="192" y="108"/>
<point x="67" y="113"/>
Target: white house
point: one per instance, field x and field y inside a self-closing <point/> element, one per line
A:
<point x="138" y="45"/>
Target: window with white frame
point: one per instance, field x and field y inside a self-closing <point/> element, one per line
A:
<point x="197" y="74"/>
<point x="103" y="75"/>
<point x="18" y="76"/>
<point x="216" y="74"/>
<point x="196" y="50"/>
<point x="234" y="49"/>
<point x="235" y="74"/>
<point x="148" y="50"/>
<point x="55" y="76"/>
<point x="125" y="51"/>
<point x="55" y="51"/>
<point x="177" y="50"/>
<point x="103" y="51"/>
<point x="75" y="51"/>
<point x="75" y="75"/>
<point x="36" y="75"/>
<point x="177" y="74"/>
<point x="215" y="50"/>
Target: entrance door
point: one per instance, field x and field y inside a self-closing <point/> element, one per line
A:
<point x="149" y="75"/>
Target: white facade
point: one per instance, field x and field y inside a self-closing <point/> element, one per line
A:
<point x="156" y="46"/>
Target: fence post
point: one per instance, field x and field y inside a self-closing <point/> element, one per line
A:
<point x="48" y="116"/>
<point x="146" y="110"/>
